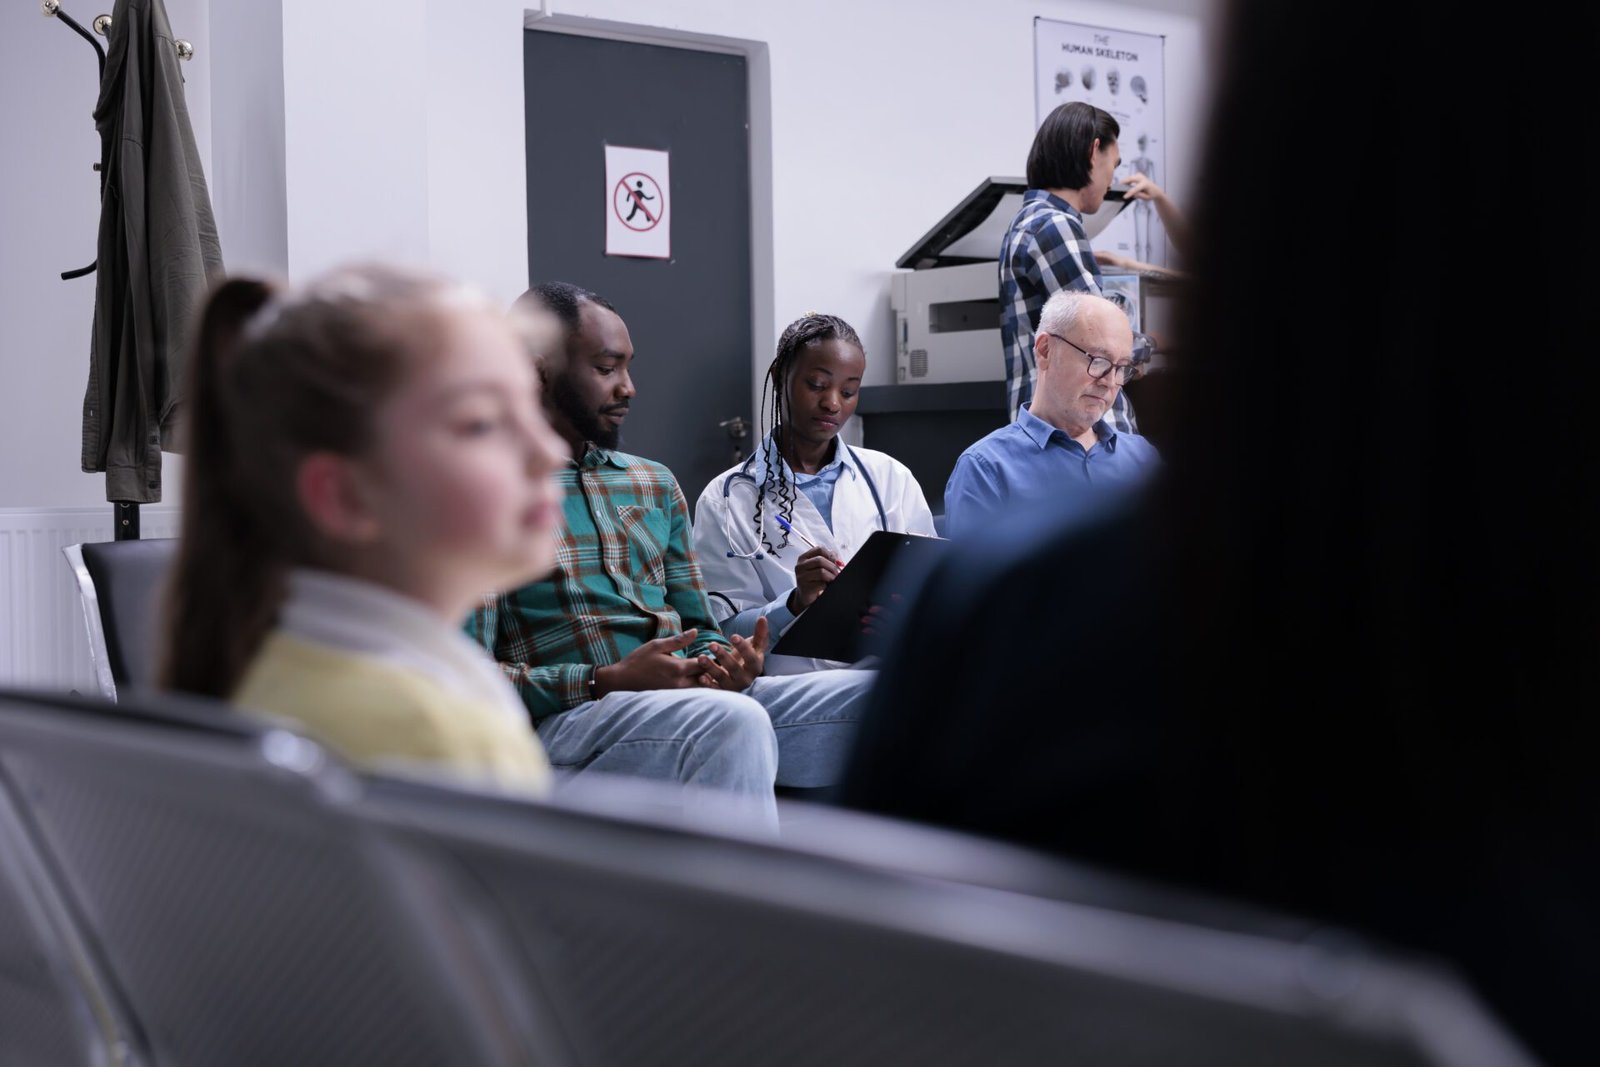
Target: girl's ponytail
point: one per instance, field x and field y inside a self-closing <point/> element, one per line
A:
<point x="277" y="377"/>
<point x="227" y="582"/>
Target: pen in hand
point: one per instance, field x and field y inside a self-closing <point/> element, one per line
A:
<point x="785" y="524"/>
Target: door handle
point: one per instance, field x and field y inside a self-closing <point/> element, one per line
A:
<point x="738" y="429"/>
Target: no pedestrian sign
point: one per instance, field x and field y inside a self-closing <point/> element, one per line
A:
<point x="638" y="208"/>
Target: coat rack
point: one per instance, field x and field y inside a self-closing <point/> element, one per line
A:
<point x="102" y="26"/>
<point x="125" y="514"/>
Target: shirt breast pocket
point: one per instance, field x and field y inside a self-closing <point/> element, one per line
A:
<point x="649" y="531"/>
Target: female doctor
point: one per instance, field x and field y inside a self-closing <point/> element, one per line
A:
<point x="833" y="495"/>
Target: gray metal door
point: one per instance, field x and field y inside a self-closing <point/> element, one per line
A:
<point x="689" y="316"/>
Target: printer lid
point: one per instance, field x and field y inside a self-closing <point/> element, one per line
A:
<point x="972" y="231"/>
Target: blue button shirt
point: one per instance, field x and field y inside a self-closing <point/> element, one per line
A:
<point x="818" y="487"/>
<point x="1031" y="462"/>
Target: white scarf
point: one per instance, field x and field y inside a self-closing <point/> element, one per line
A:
<point x="366" y="619"/>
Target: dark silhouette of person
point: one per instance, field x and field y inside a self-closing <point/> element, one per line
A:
<point x="639" y="196"/>
<point x="1342" y="661"/>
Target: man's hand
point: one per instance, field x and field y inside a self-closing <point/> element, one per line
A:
<point x="812" y="573"/>
<point x="735" y="668"/>
<point x="1141" y="187"/>
<point x="1111" y="259"/>
<point x="653" y="665"/>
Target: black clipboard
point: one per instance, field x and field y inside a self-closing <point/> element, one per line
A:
<point x="831" y="627"/>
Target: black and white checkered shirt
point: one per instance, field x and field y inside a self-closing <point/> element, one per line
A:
<point x="1044" y="251"/>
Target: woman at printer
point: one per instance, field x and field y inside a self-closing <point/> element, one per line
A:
<point x="830" y="494"/>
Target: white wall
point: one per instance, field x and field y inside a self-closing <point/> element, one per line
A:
<point x="355" y="123"/>
<point x="248" y="178"/>
<point x="49" y="216"/>
<point x="884" y="115"/>
<point x="400" y="133"/>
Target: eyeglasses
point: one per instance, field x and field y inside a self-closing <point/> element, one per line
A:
<point x="1100" y="366"/>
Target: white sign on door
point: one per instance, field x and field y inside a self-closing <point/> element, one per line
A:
<point x="638" y="211"/>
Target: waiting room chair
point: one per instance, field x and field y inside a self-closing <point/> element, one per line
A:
<point x="243" y="913"/>
<point x="55" y="1005"/>
<point x="120" y="583"/>
<point x="254" y="902"/>
<point x="861" y="941"/>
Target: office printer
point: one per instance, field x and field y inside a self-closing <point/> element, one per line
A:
<point x="947" y="304"/>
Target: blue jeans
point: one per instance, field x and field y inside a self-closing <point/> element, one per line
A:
<point x="814" y="715"/>
<point x="794" y="728"/>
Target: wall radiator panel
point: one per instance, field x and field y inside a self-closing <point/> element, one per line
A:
<point x="43" y="641"/>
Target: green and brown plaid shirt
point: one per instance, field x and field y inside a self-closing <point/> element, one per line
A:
<point x="624" y="575"/>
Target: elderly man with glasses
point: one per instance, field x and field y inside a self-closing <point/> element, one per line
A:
<point x="1061" y="449"/>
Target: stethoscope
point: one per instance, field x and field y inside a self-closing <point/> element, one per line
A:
<point x="744" y="473"/>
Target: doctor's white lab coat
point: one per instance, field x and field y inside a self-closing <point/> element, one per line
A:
<point x="873" y="492"/>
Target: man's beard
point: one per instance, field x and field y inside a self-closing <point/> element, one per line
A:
<point x="588" y="423"/>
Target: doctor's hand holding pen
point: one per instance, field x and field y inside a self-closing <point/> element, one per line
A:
<point x="812" y="573"/>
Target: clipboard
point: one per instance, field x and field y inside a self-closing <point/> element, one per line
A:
<point x="831" y="627"/>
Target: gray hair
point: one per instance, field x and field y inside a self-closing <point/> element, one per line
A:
<point x="1063" y="309"/>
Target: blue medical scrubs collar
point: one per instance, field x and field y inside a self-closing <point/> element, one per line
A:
<point x="745" y="473"/>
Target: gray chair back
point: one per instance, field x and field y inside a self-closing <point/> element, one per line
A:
<point x="120" y="584"/>
<point x="657" y="943"/>
<point x="55" y="1006"/>
<point x="243" y="914"/>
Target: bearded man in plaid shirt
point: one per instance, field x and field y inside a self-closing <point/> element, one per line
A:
<point x="616" y="654"/>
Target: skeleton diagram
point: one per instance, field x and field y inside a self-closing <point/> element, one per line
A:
<point x="1143" y="210"/>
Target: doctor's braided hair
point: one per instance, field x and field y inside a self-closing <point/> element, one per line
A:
<point x="811" y="328"/>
